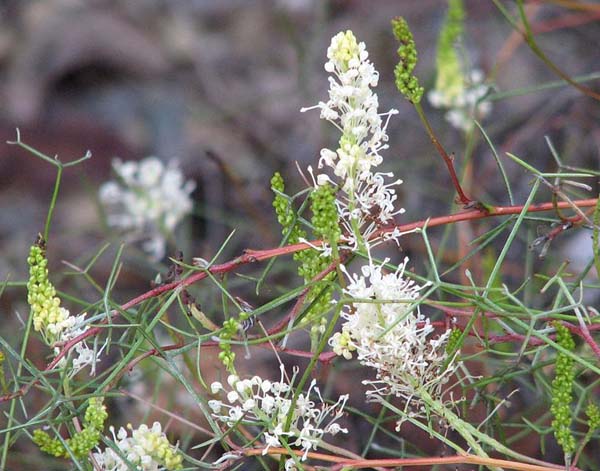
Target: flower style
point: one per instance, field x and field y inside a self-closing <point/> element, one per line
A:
<point x="148" y="200"/>
<point x="148" y="449"/>
<point x="353" y="108"/>
<point x="265" y="403"/>
<point x="389" y="334"/>
<point x="54" y="322"/>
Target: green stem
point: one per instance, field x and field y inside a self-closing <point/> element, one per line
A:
<point x="53" y="201"/>
<point x="596" y="238"/>
<point x="13" y="403"/>
<point x="471" y="434"/>
<point x="308" y="371"/>
<point x="529" y="39"/>
<point x="359" y="239"/>
<point x="463" y="428"/>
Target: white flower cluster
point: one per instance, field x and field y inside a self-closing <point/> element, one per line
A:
<point x="148" y="200"/>
<point x="68" y="328"/>
<point x="147" y="449"/>
<point x="390" y="335"/>
<point x="466" y="105"/>
<point x="353" y="108"/>
<point x="265" y="403"/>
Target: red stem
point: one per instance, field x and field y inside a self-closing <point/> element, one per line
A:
<point x="251" y="256"/>
<point x="461" y="198"/>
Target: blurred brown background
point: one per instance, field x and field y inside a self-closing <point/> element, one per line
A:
<point x="218" y="86"/>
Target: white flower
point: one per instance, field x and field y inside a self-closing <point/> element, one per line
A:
<point x="370" y="206"/>
<point x="215" y="387"/>
<point x="147" y="201"/>
<point x="465" y="106"/>
<point x="148" y="449"/>
<point x="390" y="335"/>
<point x="352" y="107"/>
<point x="267" y="404"/>
<point x="66" y="328"/>
<point x="270" y="440"/>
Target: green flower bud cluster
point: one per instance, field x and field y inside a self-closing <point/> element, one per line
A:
<point x="325" y="221"/>
<point x="406" y="82"/>
<point x="450" y="78"/>
<point x="284" y="210"/>
<point x="453" y="340"/>
<point x="562" y="391"/>
<point x="593" y="413"/>
<point x="325" y="218"/>
<point x="325" y="226"/>
<point x="41" y="295"/>
<point x="49" y="445"/>
<point x="168" y="455"/>
<point x="81" y="443"/>
<point x="226" y="355"/>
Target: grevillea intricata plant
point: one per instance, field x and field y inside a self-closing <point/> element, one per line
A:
<point x="380" y="341"/>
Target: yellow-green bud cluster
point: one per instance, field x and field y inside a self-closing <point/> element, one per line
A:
<point x="345" y="50"/>
<point x="169" y="456"/>
<point x="450" y="78"/>
<point x="226" y="355"/>
<point x="41" y="295"/>
<point x="81" y="443"/>
<point x="49" y="445"/>
<point x="147" y="448"/>
<point x="159" y="447"/>
<point x="562" y="391"/>
<point x="406" y="82"/>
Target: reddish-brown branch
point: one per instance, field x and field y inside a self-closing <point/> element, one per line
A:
<point x="343" y="462"/>
<point x="528" y="37"/>
<point x="461" y="197"/>
<point x="472" y="214"/>
<point x="139" y="358"/>
<point x="251" y="256"/>
<point x="585" y="335"/>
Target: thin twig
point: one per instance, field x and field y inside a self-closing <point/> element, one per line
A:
<point x="462" y="198"/>
<point x="252" y="256"/>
